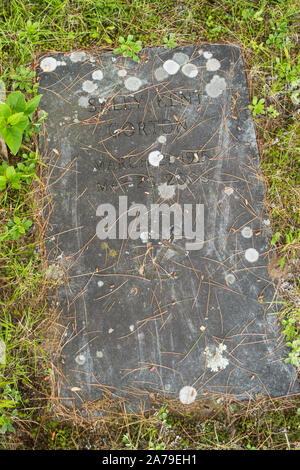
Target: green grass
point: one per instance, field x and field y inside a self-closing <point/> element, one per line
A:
<point x="267" y="30"/>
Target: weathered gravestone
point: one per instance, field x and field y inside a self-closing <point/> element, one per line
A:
<point x="149" y="310"/>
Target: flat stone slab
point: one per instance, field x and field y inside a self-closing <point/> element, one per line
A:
<point x="157" y="313"/>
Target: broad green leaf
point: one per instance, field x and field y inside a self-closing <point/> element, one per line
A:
<point x="15" y="118"/>
<point x="22" y="124"/>
<point x="16" y="101"/>
<point x="32" y="105"/>
<point x="13" y="138"/>
<point x="5" y="110"/>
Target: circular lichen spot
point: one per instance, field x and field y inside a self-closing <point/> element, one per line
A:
<point x="247" y="232"/>
<point x="155" y="157"/>
<point x="212" y="65"/>
<point x="48" y="64"/>
<point x="160" y="74"/>
<point x="97" y="75"/>
<point x="80" y="359"/>
<point x="122" y="73"/>
<point x="89" y="86"/>
<point x="133" y="83"/>
<point x="216" y="86"/>
<point x="171" y="67"/>
<point x="187" y="395"/>
<point x="83" y="101"/>
<point x="181" y="58"/>
<point x="162" y="139"/>
<point x="251" y="255"/>
<point x="230" y="278"/>
<point x="190" y="70"/>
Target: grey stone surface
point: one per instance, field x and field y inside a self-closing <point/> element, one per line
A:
<point x="147" y="316"/>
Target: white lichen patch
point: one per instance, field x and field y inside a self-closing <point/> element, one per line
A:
<point x="155" y="158"/>
<point x="212" y="65"/>
<point x="88" y="86"/>
<point x="247" y="232"/>
<point x="97" y="75"/>
<point x="162" y="139"/>
<point x="230" y="278"/>
<point x="181" y="58"/>
<point x="99" y="354"/>
<point x="131" y="327"/>
<point x="190" y="70"/>
<point x="214" y="359"/>
<point x="207" y="55"/>
<point x="77" y="56"/>
<point x="171" y="67"/>
<point x="166" y="191"/>
<point x="100" y="283"/>
<point x="48" y="64"/>
<point x="160" y="74"/>
<point x="80" y="359"/>
<point x="133" y="83"/>
<point x="187" y="395"/>
<point x="251" y="255"/>
<point x="83" y="101"/>
<point x="122" y="73"/>
<point x="216" y="86"/>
